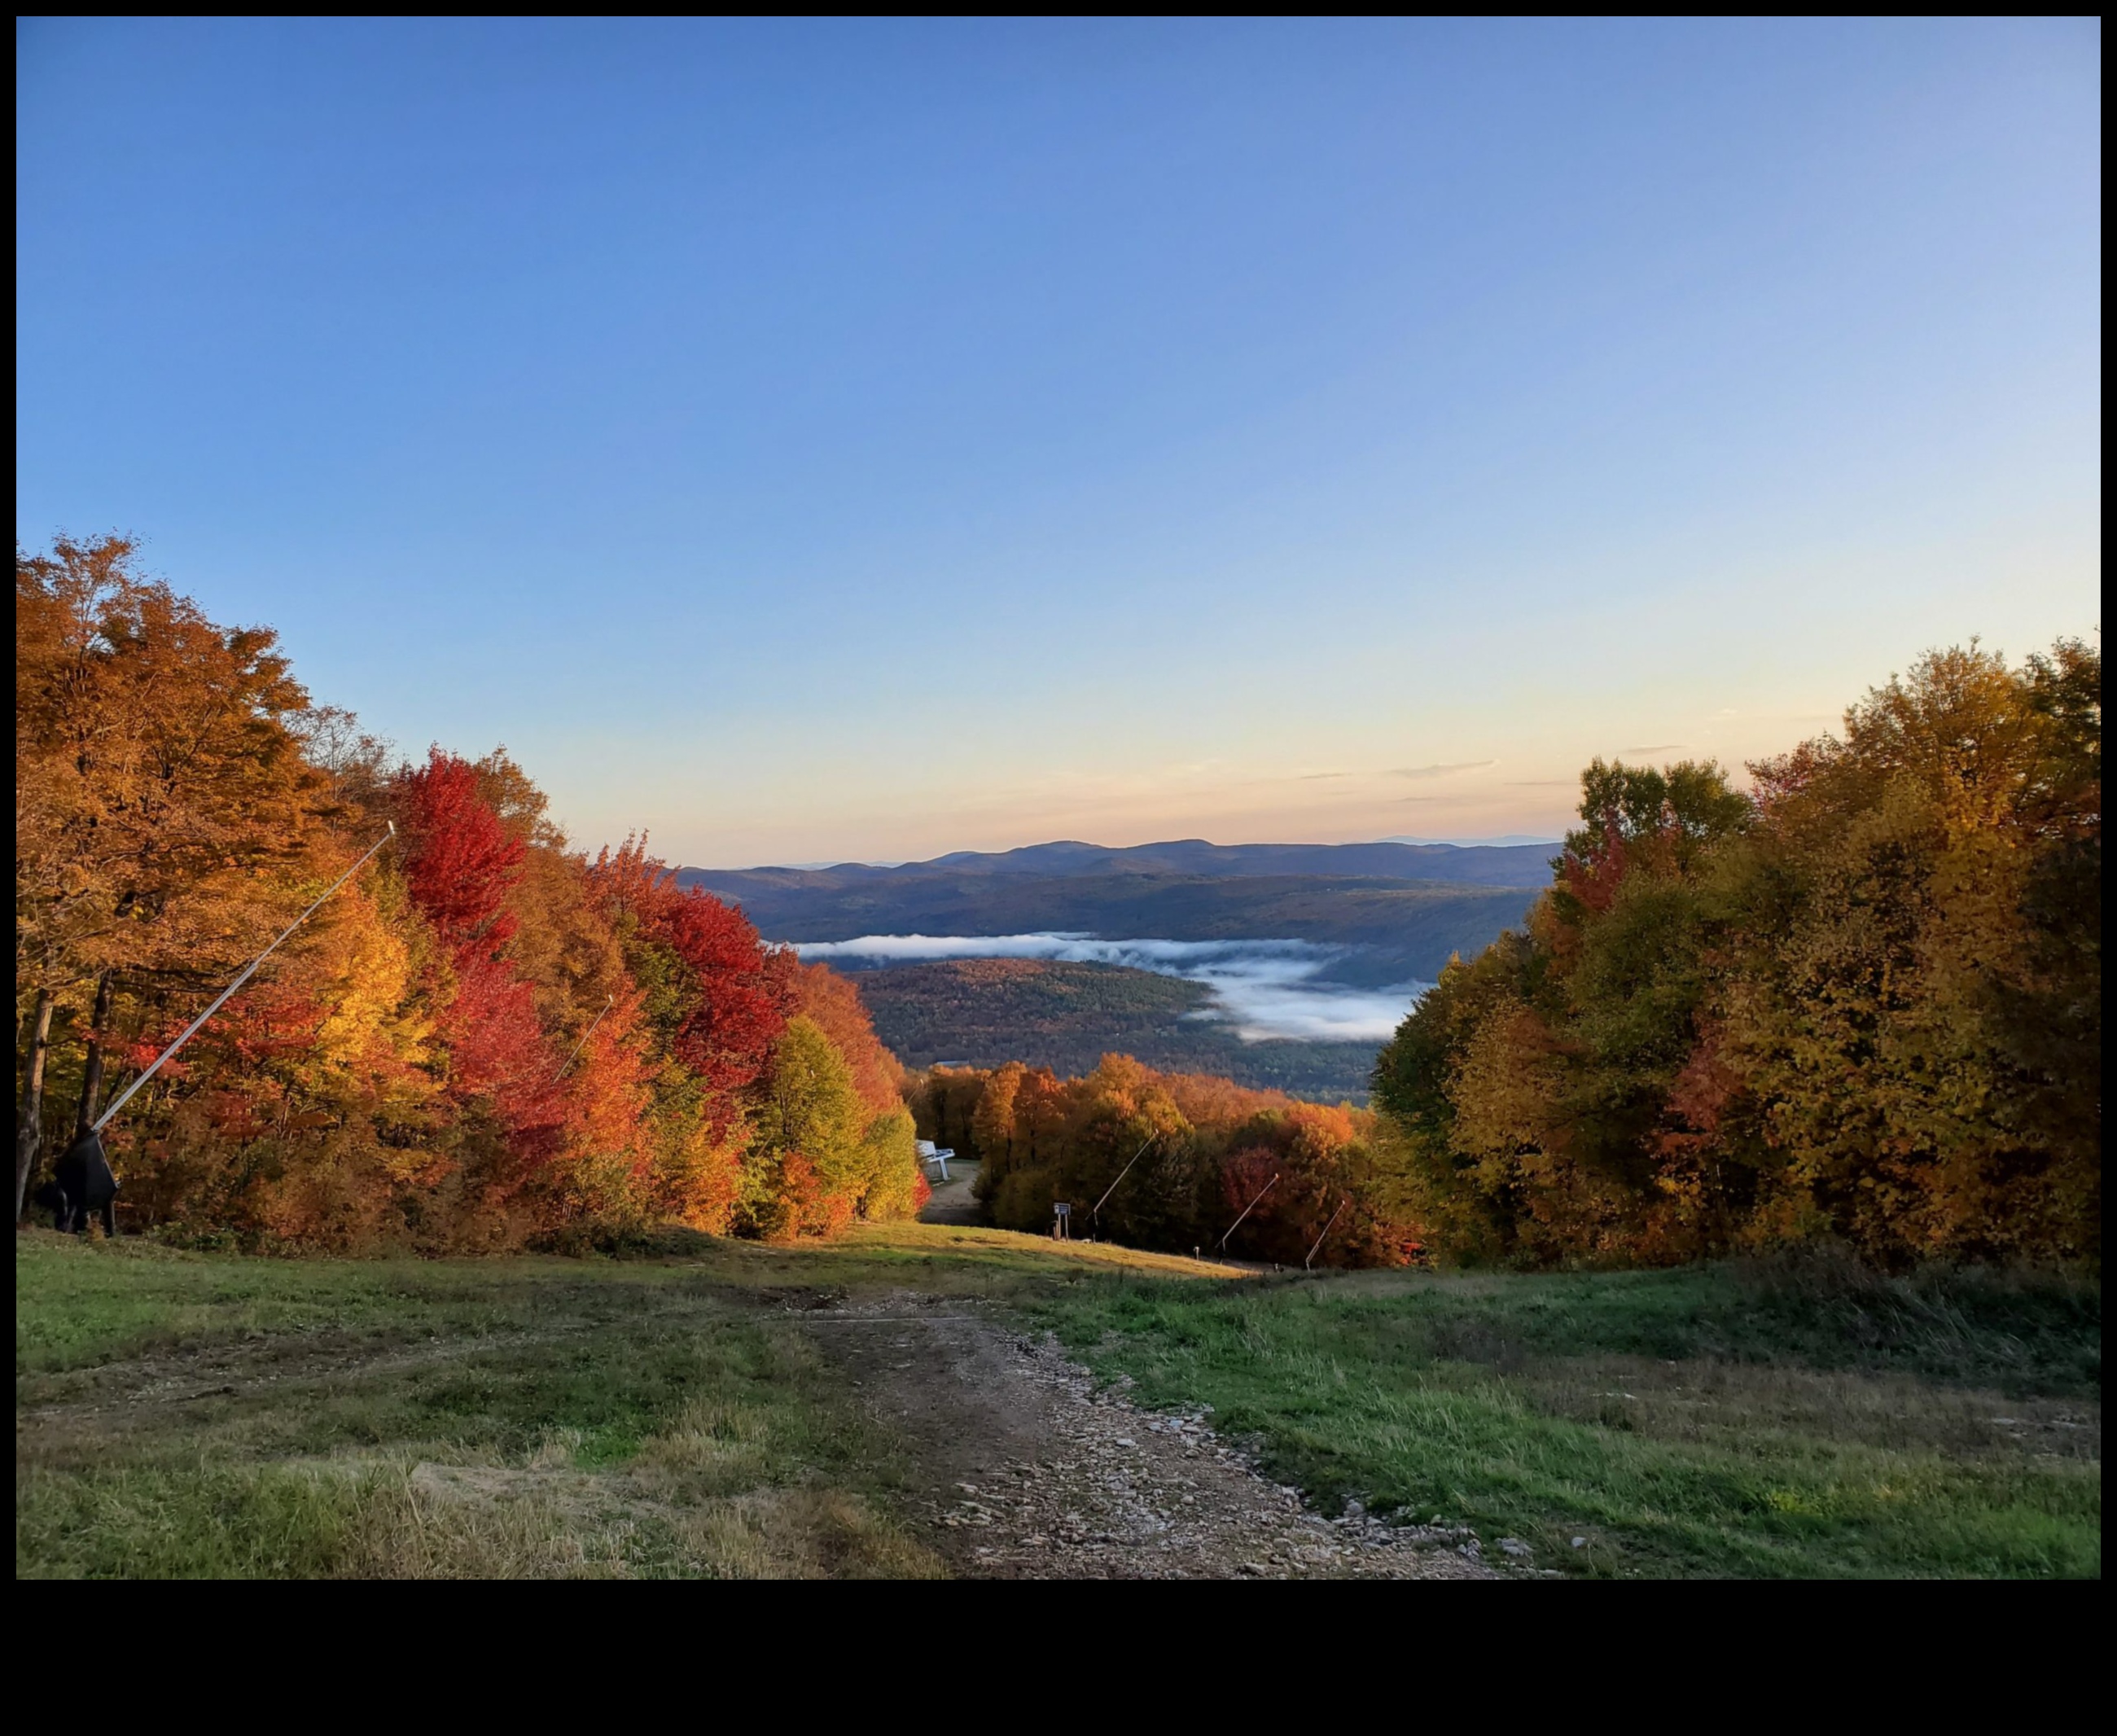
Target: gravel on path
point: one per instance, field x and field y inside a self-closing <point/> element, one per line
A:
<point x="1028" y="1470"/>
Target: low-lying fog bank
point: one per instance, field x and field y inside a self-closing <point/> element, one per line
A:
<point x="1266" y="989"/>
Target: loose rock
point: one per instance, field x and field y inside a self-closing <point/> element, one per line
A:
<point x="1057" y="1478"/>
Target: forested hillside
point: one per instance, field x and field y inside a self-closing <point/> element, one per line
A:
<point x="488" y="1037"/>
<point x="984" y="1012"/>
<point x="1182" y="1159"/>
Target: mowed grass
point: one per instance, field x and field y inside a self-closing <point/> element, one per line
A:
<point x="80" y="1303"/>
<point x="204" y="1415"/>
<point x="665" y="1415"/>
<point x="1795" y="1419"/>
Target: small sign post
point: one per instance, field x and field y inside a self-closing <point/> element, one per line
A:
<point x="1062" y="1213"/>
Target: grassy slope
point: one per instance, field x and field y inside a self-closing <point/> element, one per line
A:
<point x="1782" y="1421"/>
<point x="665" y="1415"/>
<point x="180" y="1414"/>
<point x="1067" y="1016"/>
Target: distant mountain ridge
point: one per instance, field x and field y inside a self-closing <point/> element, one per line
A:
<point x="1475" y="864"/>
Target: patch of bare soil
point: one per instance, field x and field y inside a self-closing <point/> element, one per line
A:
<point x="1028" y="1471"/>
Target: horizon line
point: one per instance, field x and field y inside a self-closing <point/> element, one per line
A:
<point x="1505" y="841"/>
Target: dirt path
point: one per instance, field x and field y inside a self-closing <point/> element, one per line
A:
<point x="1028" y="1472"/>
<point x="952" y="1202"/>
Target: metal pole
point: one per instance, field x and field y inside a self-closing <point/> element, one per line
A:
<point x="1096" y="1211"/>
<point x="1245" y="1211"/>
<point x="192" y="1029"/>
<point x="584" y="1042"/>
<point x="1311" y="1260"/>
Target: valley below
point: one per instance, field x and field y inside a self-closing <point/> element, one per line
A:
<point x="1281" y="966"/>
<point x="985" y="1012"/>
<point x="1382" y="932"/>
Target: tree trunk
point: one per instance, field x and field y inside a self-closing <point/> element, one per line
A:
<point x="28" y="1128"/>
<point x="91" y="1072"/>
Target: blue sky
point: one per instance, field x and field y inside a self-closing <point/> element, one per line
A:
<point x="813" y="440"/>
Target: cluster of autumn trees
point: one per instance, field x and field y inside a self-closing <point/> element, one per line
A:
<point x="485" y="1039"/>
<point x="1200" y="1150"/>
<point x="1861" y="1002"/>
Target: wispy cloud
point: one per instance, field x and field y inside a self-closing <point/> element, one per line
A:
<point x="1658" y="747"/>
<point x="1538" y="783"/>
<point x="1441" y="771"/>
<point x="1317" y="777"/>
<point x="1263" y="988"/>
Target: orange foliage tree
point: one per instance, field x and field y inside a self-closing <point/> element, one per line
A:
<point x="1862" y="1005"/>
<point x="486" y="1038"/>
